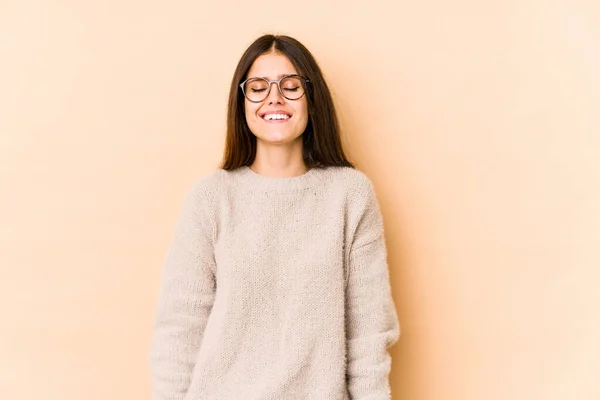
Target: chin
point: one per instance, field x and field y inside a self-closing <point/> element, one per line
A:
<point x="278" y="138"/>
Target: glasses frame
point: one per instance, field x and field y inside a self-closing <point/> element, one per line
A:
<point x="278" y="82"/>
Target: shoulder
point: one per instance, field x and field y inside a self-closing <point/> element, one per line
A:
<point x="351" y="180"/>
<point x="209" y="182"/>
<point x="201" y="193"/>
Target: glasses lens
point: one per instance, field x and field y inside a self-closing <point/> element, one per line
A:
<point x="292" y="87"/>
<point x="256" y="89"/>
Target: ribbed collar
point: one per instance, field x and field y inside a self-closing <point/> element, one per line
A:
<point x="263" y="183"/>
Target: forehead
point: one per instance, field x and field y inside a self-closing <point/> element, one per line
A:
<point x="271" y="66"/>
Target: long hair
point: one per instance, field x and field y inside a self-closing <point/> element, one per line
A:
<point x="321" y="140"/>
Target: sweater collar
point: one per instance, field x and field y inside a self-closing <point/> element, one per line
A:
<point x="266" y="183"/>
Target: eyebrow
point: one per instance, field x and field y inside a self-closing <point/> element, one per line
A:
<point x="278" y="76"/>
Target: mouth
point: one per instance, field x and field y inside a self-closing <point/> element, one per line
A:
<point x="278" y="116"/>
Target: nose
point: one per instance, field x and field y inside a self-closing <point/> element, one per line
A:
<point x="274" y="96"/>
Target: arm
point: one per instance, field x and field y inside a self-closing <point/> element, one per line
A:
<point x="185" y="300"/>
<point x="372" y="325"/>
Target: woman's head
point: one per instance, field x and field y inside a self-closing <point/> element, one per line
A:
<point x="275" y="114"/>
<point x="297" y="108"/>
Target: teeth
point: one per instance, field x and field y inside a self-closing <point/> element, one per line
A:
<point x="275" y="116"/>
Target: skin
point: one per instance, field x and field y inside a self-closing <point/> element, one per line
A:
<point x="279" y="143"/>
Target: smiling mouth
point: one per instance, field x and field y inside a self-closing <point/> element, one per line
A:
<point x="276" y="117"/>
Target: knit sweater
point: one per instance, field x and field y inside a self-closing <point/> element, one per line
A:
<point x="275" y="289"/>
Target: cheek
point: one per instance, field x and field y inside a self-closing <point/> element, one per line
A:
<point x="247" y="109"/>
<point x="250" y="113"/>
<point x="302" y="112"/>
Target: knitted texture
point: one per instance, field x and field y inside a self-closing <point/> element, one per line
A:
<point x="275" y="289"/>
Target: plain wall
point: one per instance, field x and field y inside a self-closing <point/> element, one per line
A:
<point x="478" y="123"/>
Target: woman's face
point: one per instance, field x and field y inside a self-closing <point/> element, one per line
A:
<point x="261" y="122"/>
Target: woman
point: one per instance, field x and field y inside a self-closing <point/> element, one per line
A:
<point x="276" y="284"/>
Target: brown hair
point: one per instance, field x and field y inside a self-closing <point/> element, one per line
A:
<point x="321" y="141"/>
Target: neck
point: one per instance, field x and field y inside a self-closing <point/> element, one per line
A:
<point x="279" y="161"/>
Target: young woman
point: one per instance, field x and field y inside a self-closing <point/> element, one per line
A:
<point x="276" y="284"/>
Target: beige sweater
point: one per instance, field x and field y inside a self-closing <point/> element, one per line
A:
<point x="276" y="289"/>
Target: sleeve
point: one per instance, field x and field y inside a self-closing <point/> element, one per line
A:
<point x="184" y="302"/>
<point x="372" y="324"/>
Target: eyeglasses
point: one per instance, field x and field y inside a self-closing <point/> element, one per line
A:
<point x="292" y="87"/>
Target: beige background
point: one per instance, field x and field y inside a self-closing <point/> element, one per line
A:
<point x="478" y="122"/>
